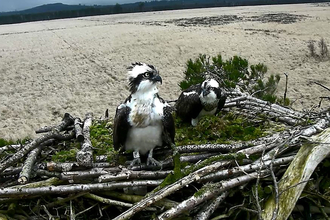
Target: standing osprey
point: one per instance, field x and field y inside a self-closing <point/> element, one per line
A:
<point x="199" y="100"/>
<point x="144" y="120"/>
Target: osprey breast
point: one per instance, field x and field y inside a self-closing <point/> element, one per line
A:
<point x="145" y="114"/>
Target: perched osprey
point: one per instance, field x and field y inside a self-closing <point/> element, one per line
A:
<point x="144" y="120"/>
<point x="199" y="100"/>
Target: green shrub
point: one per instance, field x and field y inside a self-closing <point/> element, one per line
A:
<point x="231" y="73"/>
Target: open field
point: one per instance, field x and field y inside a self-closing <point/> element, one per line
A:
<point x="79" y="65"/>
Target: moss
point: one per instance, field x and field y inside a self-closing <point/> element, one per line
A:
<point x="218" y="129"/>
<point x="101" y="137"/>
<point x="65" y="155"/>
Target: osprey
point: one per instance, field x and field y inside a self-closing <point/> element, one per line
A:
<point x="144" y="120"/>
<point x="199" y="100"/>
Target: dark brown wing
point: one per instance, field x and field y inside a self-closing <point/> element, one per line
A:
<point x="188" y="105"/>
<point x="222" y="100"/>
<point x="121" y="126"/>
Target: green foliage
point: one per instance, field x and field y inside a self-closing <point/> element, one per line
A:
<point x="4" y="142"/>
<point x="233" y="72"/>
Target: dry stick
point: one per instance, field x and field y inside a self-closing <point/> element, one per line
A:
<point x="212" y="147"/>
<point x="21" y="190"/>
<point x="128" y="174"/>
<point x="25" y="174"/>
<point x="32" y="145"/>
<point x="78" y="130"/>
<point x="107" y="201"/>
<point x="66" y="121"/>
<point x="85" y="155"/>
<point x="208" y="210"/>
<point x="208" y="193"/>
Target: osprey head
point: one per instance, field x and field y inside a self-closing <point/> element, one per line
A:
<point x="142" y="77"/>
<point x="208" y="86"/>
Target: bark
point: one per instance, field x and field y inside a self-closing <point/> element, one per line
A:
<point x="211" y="147"/>
<point x="130" y="174"/>
<point x="66" y="189"/>
<point x="85" y="155"/>
<point x="74" y="166"/>
<point x="78" y="130"/>
<point x="26" y="172"/>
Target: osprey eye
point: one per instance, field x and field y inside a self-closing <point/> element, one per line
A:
<point x="146" y="74"/>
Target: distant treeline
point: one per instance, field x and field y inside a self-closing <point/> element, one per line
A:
<point x="53" y="11"/>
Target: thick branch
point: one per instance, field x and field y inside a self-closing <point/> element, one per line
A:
<point x="25" y="174"/>
<point x="85" y="155"/>
<point x="61" y="189"/>
<point x="78" y="130"/>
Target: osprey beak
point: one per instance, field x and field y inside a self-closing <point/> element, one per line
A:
<point x="157" y="78"/>
<point x="206" y="92"/>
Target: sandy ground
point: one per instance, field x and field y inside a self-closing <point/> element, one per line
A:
<point x="79" y="65"/>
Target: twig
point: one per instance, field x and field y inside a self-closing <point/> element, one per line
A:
<point x="107" y="201"/>
<point x="286" y="86"/>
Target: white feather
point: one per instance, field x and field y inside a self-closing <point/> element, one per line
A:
<point x="138" y="69"/>
<point x="189" y="93"/>
<point x="209" y="98"/>
<point x="211" y="83"/>
<point x="144" y="139"/>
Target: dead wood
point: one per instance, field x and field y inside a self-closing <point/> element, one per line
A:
<point x="25" y="174"/>
<point x="78" y="130"/>
<point x="85" y="155"/>
<point x="75" y="188"/>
